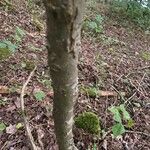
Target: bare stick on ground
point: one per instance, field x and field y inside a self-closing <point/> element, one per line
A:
<point x="26" y="123"/>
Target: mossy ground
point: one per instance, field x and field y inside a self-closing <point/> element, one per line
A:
<point x="89" y="122"/>
<point x="4" y="53"/>
<point x="127" y="71"/>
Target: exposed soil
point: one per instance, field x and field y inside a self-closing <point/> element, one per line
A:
<point x="110" y="65"/>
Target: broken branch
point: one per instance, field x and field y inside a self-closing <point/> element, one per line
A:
<point x="26" y="123"/>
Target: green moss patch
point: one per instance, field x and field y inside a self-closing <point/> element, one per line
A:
<point x="28" y="65"/>
<point x="89" y="122"/>
<point x="146" y="56"/>
<point x="4" y="53"/>
<point x="90" y="91"/>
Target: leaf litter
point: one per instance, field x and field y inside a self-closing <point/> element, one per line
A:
<point x="108" y="67"/>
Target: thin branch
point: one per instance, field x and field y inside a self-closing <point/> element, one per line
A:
<point x="127" y="131"/>
<point x="137" y="70"/>
<point x="138" y="88"/>
<point x="145" y="67"/>
<point x="26" y="123"/>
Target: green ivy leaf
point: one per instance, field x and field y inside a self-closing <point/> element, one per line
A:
<point x="90" y="91"/>
<point x="99" y="18"/>
<point x="126" y="115"/>
<point x="10" y="45"/>
<point x="2" y="127"/>
<point x="92" y="25"/>
<point x="39" y="95"/>
<point x="19" y="125"/>
<point x="117" y="115"/>
<point x="118" y="129"/>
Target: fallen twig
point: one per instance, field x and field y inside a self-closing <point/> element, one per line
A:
<point x="130" y="98"/>
<point x="127" y="131"/>
<point x="121" y="94"/>
<point x="26" y="123"/>
<point x="137" y="70"/>
<point x="138" y="132"/>
<point x="137" y="88"/>
<point x="145" y="67"/>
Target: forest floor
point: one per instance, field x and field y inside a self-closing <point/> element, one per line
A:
<point x="118" y="59"/>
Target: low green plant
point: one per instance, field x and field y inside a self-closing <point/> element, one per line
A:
<point x="19" y="125"/>
<point x="30" y="4"/>
<point x="133" y="11"/>
<point x="120" y="114"/>
<point x="33" y="48"/>
<point x="3" y="102"/>
<point x="37" y="22"/>
<point x="93" y="147"/>
<point x="39" y="95"/>
<point x="94" y="25"/>
<point x="28" y="65"/>
<point x="90" y="91"/>
<point x="7" y="47"/>
<point x="46" y="82"/>
<point x="2" y="126"/>
<point x="89" y="122"/>
<point x="145" y="55"/>
<point x="7" y="5"/>
<point x="19" y="34"/>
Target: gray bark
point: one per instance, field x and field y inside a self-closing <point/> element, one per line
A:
<point x="64" y="18"/>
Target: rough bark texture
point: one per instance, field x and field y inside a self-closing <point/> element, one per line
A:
<point x="64" y="19"/>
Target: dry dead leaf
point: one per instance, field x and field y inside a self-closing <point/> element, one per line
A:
<point x="11" y="108"/>
<point x="100" y="93"/>
<point x="40" y="134"/>
<point x="4" y="90"/>
<point x="11" y="129"/>
<point x="107" y="93"/>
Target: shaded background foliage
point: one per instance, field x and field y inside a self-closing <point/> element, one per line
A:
<point x="137" y="11"/>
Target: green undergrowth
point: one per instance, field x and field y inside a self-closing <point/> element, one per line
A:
<point x="121" y="118"/>
<point x="28" y="65"/>
<point x="6" y="49"/>
<point x="89" y="122"/>
<point x="94" y="25"/>
<point x="145" y="55"/>
<point x="4" y="53"/>
<point x="10" y="45"/>
<point x="131" y="11"/>
<point x="88" y="90"/>
<point x="36" y="9"/>
<point x="7" y="5"/>
<point x="93" y="20"/>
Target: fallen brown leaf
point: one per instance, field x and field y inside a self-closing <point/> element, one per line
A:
<point x="4" y="90"/>
<point x="11" y="129"/>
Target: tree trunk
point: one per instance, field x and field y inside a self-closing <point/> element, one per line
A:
<point x="64" y="19"/>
